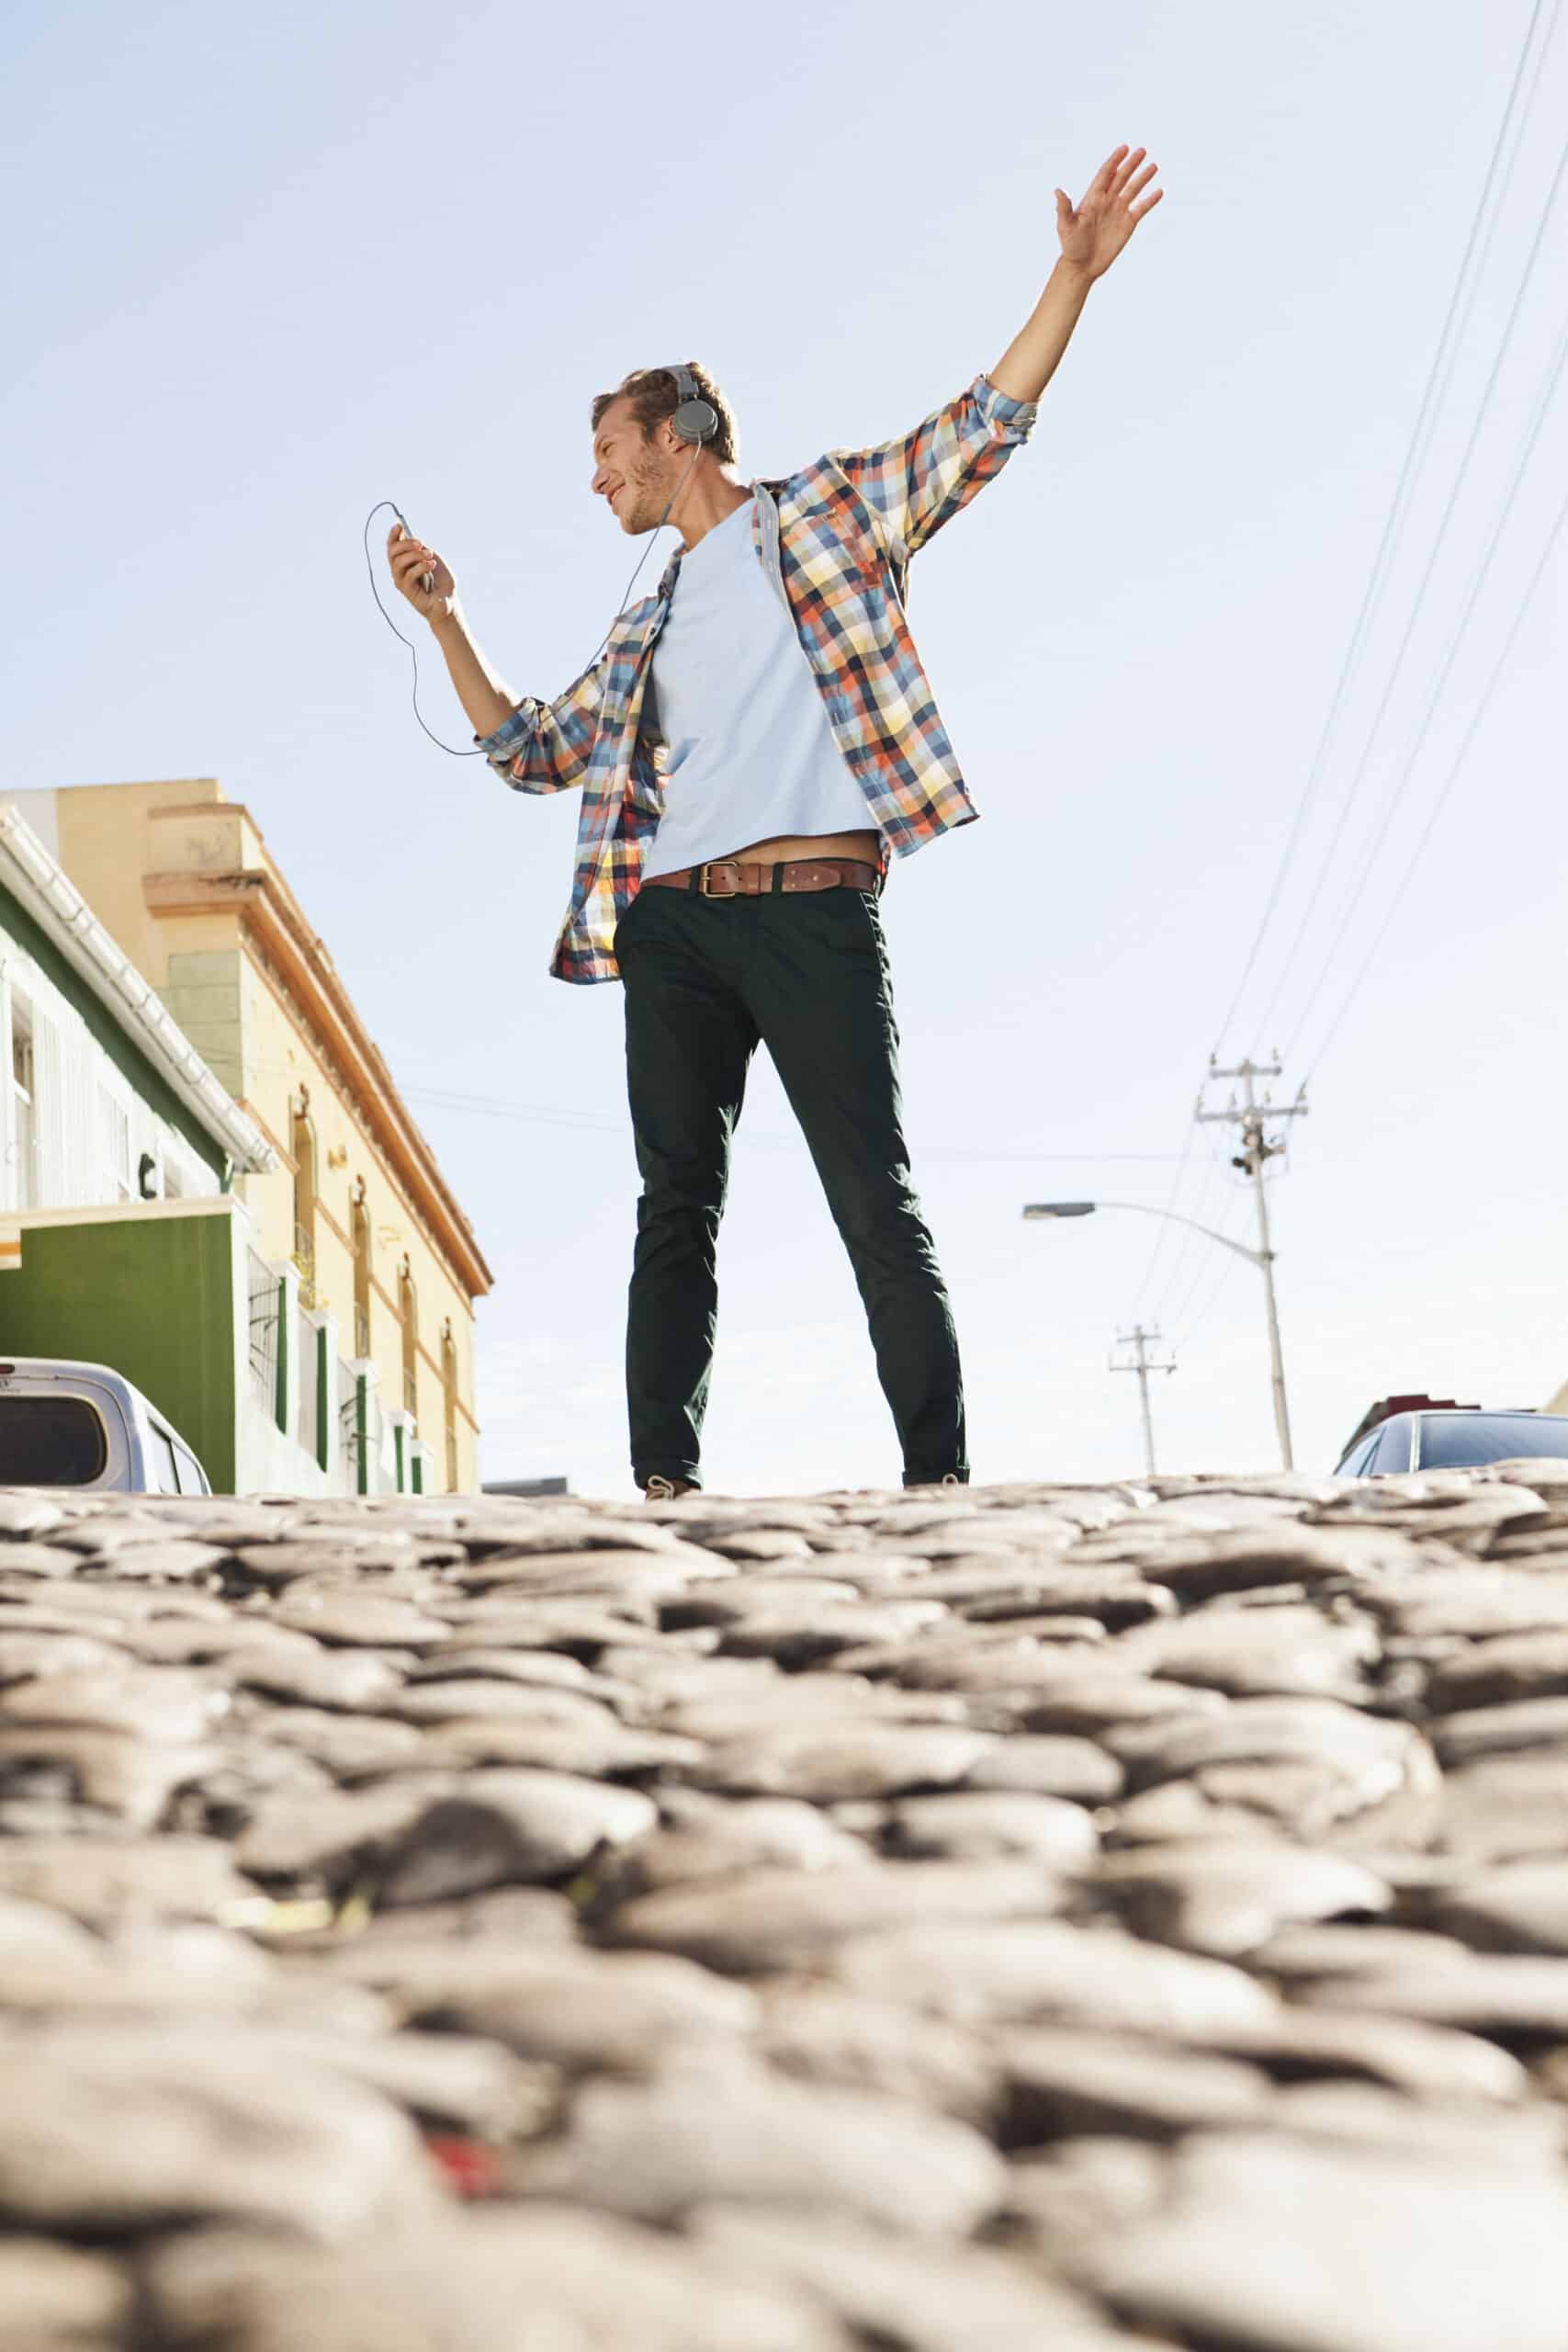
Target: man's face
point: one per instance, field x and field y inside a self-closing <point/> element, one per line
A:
<point x="633" y="475"/>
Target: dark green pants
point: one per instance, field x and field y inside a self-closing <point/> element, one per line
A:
<point x="806" y="976"/>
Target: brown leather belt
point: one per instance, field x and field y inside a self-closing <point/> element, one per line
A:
<point x="726" y="877"/>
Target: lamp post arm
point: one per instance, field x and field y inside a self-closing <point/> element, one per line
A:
<point x="1141" y="1208"/>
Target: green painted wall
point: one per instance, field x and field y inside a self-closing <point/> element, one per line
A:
<point x="140" y="1072"/>
<point x="152" y="1297"/>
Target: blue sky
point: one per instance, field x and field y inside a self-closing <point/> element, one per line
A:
<point x="278" y="265"/>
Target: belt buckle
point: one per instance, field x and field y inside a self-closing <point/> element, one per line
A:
<point x="704" y="891"/>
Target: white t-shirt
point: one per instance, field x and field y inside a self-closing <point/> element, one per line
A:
<point x="750" y="753"/>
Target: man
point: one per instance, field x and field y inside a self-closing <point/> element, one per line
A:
<point x="740" y="806"/>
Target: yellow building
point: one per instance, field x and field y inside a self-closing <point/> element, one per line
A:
<point x="183" y="881"/>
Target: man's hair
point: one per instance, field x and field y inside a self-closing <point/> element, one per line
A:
<point x="654" y="395"/>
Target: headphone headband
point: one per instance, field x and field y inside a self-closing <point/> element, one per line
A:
<point x="696" y="419"/>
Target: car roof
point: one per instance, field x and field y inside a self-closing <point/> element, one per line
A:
<point x="1460" y="1413"/>
<point x="1486" y="1413"/>
<point x="68" y="1372"/>
<point x="64" y="1368"/>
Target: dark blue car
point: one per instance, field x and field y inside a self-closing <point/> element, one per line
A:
<point x="1415" y="1433"/>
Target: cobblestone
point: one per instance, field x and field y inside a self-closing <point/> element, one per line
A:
<point x="935" y="1924"/>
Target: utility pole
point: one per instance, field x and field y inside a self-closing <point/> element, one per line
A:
<point x="1251" y="1117"/>
<point x="1138" y="1340"/>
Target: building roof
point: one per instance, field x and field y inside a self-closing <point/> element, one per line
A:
<point x="41" y="886"/>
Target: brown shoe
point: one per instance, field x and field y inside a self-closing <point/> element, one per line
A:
<point x="666" y="1490"/>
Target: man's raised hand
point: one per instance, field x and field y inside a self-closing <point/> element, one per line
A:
<point x="411" y="564"/>
<point x="1094" y="233"/>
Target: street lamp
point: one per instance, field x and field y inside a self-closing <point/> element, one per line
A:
<point x="1262" y="1259"/>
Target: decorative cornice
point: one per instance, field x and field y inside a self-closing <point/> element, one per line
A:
<point x="268" y="911"/>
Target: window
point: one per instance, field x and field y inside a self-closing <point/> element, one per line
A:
<point x="408" y="1308"/>
<point x="359" y="1230"/>
<point x="1459" y="1440"/>
<point x="303" y="1144"/>
<point x="1393" y="1447"/>
<point x="113" y="1126"/>
<point x="449" y="1400"/>
<point x="1356" y="1465"/>
<point x="23" y="1107"/>
<point x="50" y="1441"/>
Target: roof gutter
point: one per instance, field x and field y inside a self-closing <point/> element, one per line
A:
<point x="53" y="901"/>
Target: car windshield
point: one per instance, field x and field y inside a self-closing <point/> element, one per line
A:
<point x="50" y="1441"/>
<point x="1454" y="1440"/>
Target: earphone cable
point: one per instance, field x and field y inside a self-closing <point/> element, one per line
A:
<point x="450" y="750"/>
<point x="476" y="752"/>
<point x="647" y="551"/>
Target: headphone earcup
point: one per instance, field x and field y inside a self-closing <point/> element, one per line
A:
<point x="697" y="422"/>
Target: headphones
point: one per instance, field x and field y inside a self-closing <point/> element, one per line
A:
<point x="695" y="420"/>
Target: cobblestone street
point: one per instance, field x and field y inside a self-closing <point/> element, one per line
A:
<point x="1032" y="1917"/>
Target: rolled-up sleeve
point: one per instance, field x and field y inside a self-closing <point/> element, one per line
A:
<point x="544" y="747"/>
<point x="918" y="482"/>
<point x="509" y="737"/>
<point x="1011" y="421"/>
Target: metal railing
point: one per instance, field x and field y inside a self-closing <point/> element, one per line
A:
<point x="264" y="1322"/>
<point x="349" y="1445"/>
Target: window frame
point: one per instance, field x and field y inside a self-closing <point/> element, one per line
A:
<point x="360" y="1243"/>
<point x="115" y="1124"/>
<point x="307" y="1198"/>
<point x="1410" y="1447"/>
<point x="408" y="1317"/>
<point x="24" y="1099"/>
<point x="161" y="1436"/>
<point x="1357" y="1462"/>
<point x="449" y="1378"/>
<point x="183" y="1455"/>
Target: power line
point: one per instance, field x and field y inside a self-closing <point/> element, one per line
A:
<point x="1445" y="789"/>
<point x="1437" y="379"/>
<point x="1164" y="1233"/>
<point x="1472" y="268"/>
<point x="615" y="1123"/>
<point x="1335" y="836"/>
<point x="1196" y="1316"/>
<point x="1444" y="672"/>
<point x="1225" y="1221"/>
<point x="1188" y="1237"/>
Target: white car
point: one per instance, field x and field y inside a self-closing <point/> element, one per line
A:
<point x="82" y="1425"/>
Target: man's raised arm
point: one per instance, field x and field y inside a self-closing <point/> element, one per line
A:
<point x="1091" y="235"/>
<point x="916" y="482"/>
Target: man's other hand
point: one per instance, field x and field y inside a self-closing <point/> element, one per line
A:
<point x="1094" y="231"/>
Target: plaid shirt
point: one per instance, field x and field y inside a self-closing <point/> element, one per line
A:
<point x="837" y="538"/>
